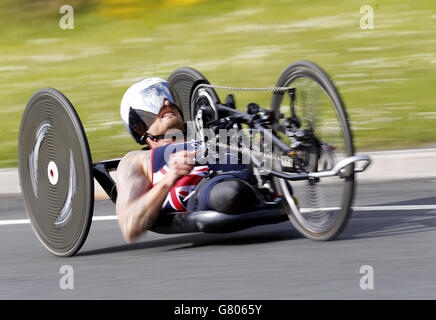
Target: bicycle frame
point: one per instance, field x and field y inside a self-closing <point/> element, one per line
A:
<point x="254" y="123"/>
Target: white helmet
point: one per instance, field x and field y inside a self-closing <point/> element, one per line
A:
<point x="142" y="102"/>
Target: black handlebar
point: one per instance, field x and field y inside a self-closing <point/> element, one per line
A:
<point x="252" y="120"/>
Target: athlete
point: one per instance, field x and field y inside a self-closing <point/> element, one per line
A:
<point x="164" y="178"/>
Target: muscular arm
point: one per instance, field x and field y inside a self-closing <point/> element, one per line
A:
<point x="138" y="205"/>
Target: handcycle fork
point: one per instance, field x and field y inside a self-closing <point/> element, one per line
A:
<point x="295" y="121"/>
<point x="291" y="93"/>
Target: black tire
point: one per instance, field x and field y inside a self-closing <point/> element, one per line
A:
<point x="324" y="206"/>
<point x="185" y="81"/>
<point x="55" y="170"/>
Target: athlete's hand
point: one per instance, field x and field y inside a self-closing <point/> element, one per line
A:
<point x="180" y="164"/>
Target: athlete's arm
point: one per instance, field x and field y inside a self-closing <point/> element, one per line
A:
<point x="138" y="205"/>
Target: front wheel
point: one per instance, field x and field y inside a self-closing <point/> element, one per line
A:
<point x="313" y="121"/>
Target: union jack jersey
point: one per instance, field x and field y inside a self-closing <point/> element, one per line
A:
<point x="184" y="185"/>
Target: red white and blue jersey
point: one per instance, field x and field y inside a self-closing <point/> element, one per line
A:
<point x="186" y="184"/>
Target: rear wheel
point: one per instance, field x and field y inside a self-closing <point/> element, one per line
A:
<point x="198" y="106"/>
<point x="55" y="172"/>
<point x="185" y="80"/>
<point x="313" y="121"/>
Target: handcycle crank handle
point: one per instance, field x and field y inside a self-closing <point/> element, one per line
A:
<point x="367" y="160"/>
<point x="340" y="167"/>
<point x="338" y="170"/>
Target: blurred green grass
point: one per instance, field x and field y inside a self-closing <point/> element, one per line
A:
<point x="387" y="76"/>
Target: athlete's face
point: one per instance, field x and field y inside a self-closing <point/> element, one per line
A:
<point x="168" y="118"/>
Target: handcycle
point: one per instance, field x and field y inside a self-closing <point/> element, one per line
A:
<point x="310" y="180"/>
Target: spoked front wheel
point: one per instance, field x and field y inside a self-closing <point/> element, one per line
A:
<point x="312" y="120"/>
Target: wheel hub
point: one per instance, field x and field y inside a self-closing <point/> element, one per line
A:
<point x="53" y="173"/>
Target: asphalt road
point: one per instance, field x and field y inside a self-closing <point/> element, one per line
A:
<point x="267" y="262"/>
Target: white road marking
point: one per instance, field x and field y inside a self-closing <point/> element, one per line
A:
<point x="104" y="218"/>
<point x="303" y="210"/>
<point x="399" y="208"/>
<point x="9" y="222"/>
<point x="375" y="208"/>
<point x="27" y="221"/>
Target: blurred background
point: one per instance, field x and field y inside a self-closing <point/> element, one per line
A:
<point x="386" y="75"/>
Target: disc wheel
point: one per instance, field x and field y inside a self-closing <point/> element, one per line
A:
<point x="55" y="172"/>
<point x="319" y="209"/>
